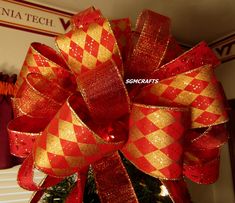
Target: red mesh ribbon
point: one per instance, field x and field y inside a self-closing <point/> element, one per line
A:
<point x="7" y="89"/>
<point x="82" y="118"/>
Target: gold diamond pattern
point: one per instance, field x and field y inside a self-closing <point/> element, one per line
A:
<point x="158" y="159"/>
<point x="185" y="98"/>
<point x="160" y="118"/>
<point x="181" y="82"/>
<point x="54" y="145"/>
<point x="42" y="158"/>
<point x="79" y="37"/>
<point x="160" y="139"/>
<point x="179" y="85"/>
<point x="88" y="60"/>
<point x="66" y="131"/>
<point x="134" y="130"/>
<point x="95" y="31"/>
<point x="103" y="54"/>
<point x="75" y="161"/>
<point x="145" y="148"/>
<point x="134" y="151"/>
<point x="88" y="149"/>
<point x="85" y="145"/>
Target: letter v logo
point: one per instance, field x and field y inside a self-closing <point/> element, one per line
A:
<point x="65" y="24"/>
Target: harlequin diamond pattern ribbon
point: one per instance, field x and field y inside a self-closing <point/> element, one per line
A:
<point x="69" y="140"/>
<point x="83" y="117"/>
<point x="85" y="47"/>
<point x="198" y="89"/>
<point x="155" y="140"/>
<point x="35" y="104"/>
<point x="44" y="60"/>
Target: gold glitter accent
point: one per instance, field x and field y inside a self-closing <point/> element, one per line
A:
<point x="62" y="172"/>
<point x="94" y="31"/>
<point x="160" y="118"/>
<point x="137" y="115"/>
<point x="76" y="161"/>
<point x="158" y="159"/>
<point x="160" y="139"/>
<point x="54" y="145"/>
<point x="135" y="131"/>
<point x="88" y="150"/>
<point x="42" y="159"/>
<point x="189" y="90"/>
<point x="88" y="60"/>
<point x="135" y="153"/>
<point x="66" y="131"/>
<point x="79" y="36"/>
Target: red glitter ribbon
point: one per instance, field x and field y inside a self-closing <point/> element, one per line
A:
<point x="80" y="118"/>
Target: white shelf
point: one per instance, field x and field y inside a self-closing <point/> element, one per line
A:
<point x="10" y="191"/>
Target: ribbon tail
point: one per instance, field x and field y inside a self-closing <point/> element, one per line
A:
<point x="36" y="196"/>
<point x="47" y="181"/>
<point x="178" y="191"/>
<point x="26" y="175"/>
<point x="76" y="195"/>
<point x="112" y="181"/>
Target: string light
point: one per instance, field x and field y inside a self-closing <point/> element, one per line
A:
<point x="164" y="191"/>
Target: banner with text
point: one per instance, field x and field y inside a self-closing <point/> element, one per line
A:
<point x="34" y="18"/>
<point x="224" y="48"/>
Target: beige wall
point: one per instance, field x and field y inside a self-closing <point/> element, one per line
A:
<point x="14" y="45"/>
<point x="226" y="74"/>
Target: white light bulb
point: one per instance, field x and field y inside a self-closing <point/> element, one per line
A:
<point x="164" y="191"/>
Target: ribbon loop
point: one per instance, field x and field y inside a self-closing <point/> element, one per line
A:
<point x="68" y="145"/>
<point x="202" y="151"/>
<point x="85" y="48"/>
<point x="198" y="89"/>
<point x="38" y="100"/>
<point x="39" y="97"/>
<point x="46" y="61"/>
<point x="198" y="56"/>
<point x="148" y="46"/>
<point x="155" y="140"/>
<point x="22" y="136"/>
<point x="104" y="93"/>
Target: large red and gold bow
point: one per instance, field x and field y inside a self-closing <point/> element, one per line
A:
<point x="80" y="112"/>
